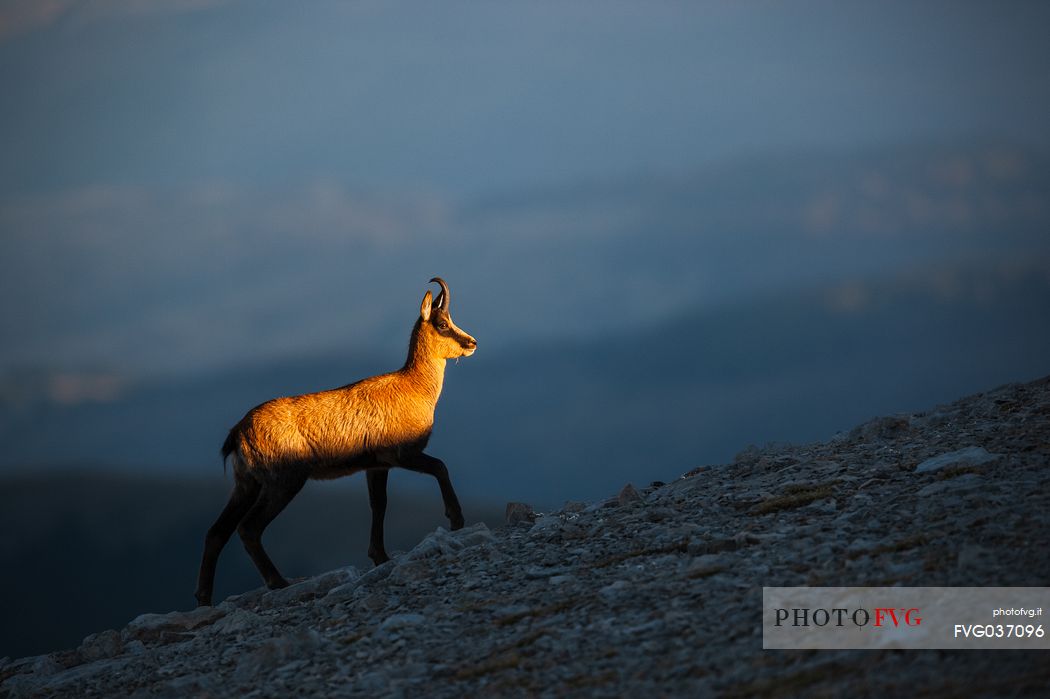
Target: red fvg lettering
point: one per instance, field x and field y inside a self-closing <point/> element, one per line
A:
<point x="906" y="616"/>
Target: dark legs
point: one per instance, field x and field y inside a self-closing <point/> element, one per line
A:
<point x="424" y="463"/>
<point x="273" y="499"/>
<point x="244" y="495"/>
<point x="421" y="463"/>
<point x="377" y="500"/>
<point x="251" y="507"/>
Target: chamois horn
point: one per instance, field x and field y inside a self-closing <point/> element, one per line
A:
<point x="443" y="298"/>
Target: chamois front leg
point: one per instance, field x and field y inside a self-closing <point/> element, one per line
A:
<point x="377" y="501"/>
<point x="424" y="463"/>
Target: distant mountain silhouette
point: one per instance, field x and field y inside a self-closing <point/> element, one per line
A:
<point x="254" y="276"/>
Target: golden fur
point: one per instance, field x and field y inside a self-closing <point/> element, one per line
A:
<point x="338" y="432"/>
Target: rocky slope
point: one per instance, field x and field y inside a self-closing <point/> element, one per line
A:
<point x="655" y="591"/>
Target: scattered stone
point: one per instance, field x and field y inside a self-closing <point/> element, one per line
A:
<point x="613" y="590"/>
<point x="308" y="589"/>
<point x="708" y="564"/>
<point x="659" y="514"/>
<point x="972" y="556"/>
<point x="245" y="600"/>
<point x="476" y="535"/>
<point x="401" y="621"/>
<point x="238" y="621"/>
<point x="881" y="428"/>
<point x="970" y="456"/>
<point x="413" y="571"/>
<point x="963" y="482"/>
<point x="45" y="665"/>
<point x="437" y="543"/>
<point x="378" y="573"/>
<point x="538" y="572"/>
<point x="748" y="455"/>
<point x="153" y="627"/>
<point x="547" y="525"/>
<point x="275" y="652"/>
<point x="601" y="505"/>
<point x="104" y="644"/>
<point x="629" y="495"/>
<point x="827" y="506"/>
<point x="571" y="531"/>
<point x="518" y="512"/>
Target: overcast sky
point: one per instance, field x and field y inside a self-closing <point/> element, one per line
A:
<point x="463" y="98"/>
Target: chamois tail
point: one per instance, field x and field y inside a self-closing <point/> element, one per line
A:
<point x="229" y="446"/>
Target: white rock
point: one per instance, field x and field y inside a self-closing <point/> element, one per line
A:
<point x="310" y="588"/>
<point x="238" y="621"/>
<point x="436" y="543"/>
<point x="150" y="626"/>
<point x="964" y="482"/>
<point x="400" y="621"/>
<point x="475" y="535"/>
<point x="613" y="590"/>
<point x="970" y="456"/>
<point x="44" y="665"/>
<point x="104" y="644"/>
<point x="546" y="524"/>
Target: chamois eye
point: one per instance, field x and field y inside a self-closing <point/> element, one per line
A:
<point x="442" y="325"/>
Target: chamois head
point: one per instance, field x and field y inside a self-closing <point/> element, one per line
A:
<point x="444" y="336"/>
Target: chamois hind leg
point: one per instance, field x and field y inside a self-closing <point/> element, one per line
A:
<point x="275" y="497"/>
<point x="377" y="501"/>
<point x="424" y="463"/>
<point x="245" y="492"/>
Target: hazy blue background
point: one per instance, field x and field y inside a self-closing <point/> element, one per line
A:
<point x="674" y="228"/>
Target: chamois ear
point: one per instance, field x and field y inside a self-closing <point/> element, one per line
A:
<point x="424" y="308"/>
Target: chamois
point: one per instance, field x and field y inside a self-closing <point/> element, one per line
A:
<point x="371" y="426"/>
